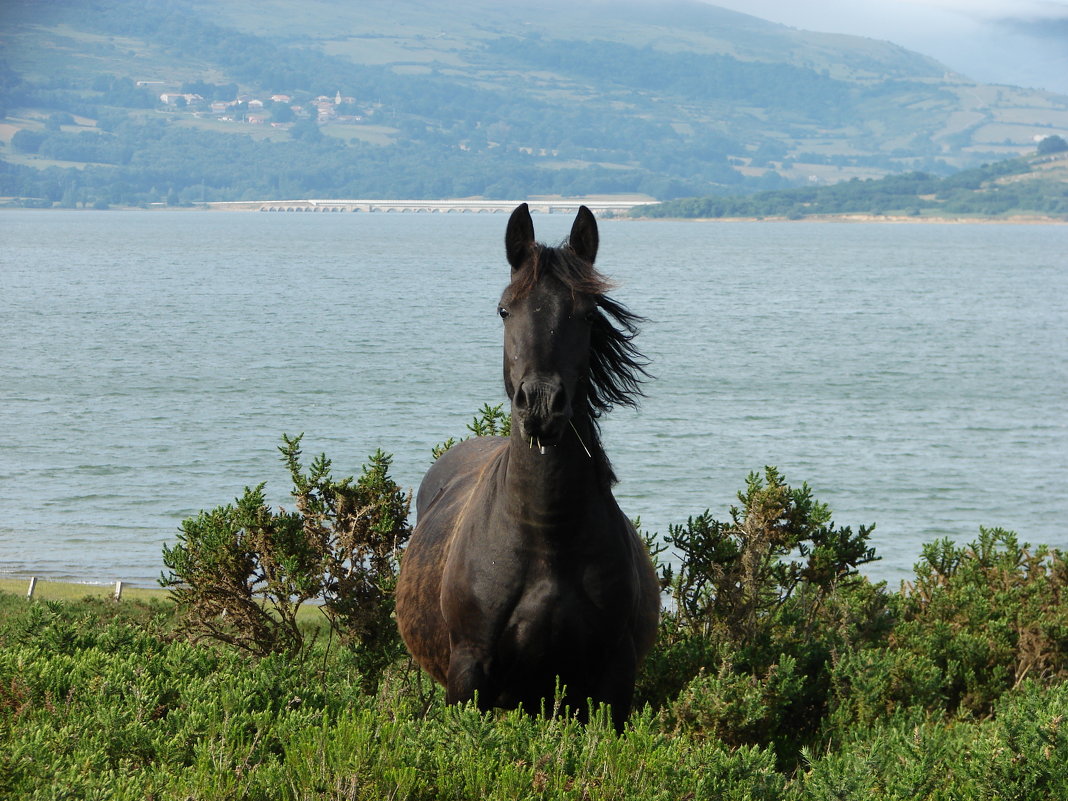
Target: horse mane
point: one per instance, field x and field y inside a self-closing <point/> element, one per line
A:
<point x="617" y="367"/>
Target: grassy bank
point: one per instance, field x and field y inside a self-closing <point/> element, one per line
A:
<point x="47" y="590"/>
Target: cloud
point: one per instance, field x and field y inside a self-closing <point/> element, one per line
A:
<point x="1023" y="42"/>
<point x="877" y="19"/>
<point x="998" y="10"/>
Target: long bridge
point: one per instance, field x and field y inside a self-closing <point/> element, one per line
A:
<point x="601" y="206"/>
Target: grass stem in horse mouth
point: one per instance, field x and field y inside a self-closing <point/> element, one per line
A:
<point x="579" y="437"/>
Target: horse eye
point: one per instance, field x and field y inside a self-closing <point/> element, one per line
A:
<point x="502" y="311"/>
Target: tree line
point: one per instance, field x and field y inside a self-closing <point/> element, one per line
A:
<point x="973" y="191"/>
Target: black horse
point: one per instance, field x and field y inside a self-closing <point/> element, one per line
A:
<point x="522" y="571"/>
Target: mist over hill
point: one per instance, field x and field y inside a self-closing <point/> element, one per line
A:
<point x="178" y="101"/>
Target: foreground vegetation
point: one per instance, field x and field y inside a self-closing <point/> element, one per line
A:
<point x="780" y="672"/>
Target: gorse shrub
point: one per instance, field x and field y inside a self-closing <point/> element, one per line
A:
<point x="734" y="575"/>
<point x="1019" y="753"/>
<point x="358" y="529"/>
<point x="126" y="712"/>
<point x="969" y="590"/>
<point x="758" y="607"/>
<point x="491" y="421"/>
<point x="167" y="719"/>
<point x="976" y="622"/>
<point x="773" y="639"/>
<point x="225" y="577"/>
<point x="240" y="574"/>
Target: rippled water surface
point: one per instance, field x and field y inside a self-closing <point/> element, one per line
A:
<point x="915" y="376"/>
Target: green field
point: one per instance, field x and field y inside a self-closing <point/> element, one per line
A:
<point x="45" y="590"/>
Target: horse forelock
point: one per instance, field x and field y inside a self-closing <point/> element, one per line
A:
<point x="577" y="275"/>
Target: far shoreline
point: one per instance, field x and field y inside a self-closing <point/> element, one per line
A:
<point x="1021" y="219"/>
<point x="845" y="217"/>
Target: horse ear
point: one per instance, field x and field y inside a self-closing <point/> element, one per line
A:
<point x="519" y="236"/>
<point x="584" y="239"/>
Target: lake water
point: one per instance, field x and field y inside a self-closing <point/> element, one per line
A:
<point x="916" y="376"/>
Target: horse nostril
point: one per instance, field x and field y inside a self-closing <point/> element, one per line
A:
<point x="520" y="400"/>
<point x="558" y="405"/>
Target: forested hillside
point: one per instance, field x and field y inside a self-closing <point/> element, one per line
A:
<point x="180" y="101"/>
<point x="1036" y="186"/>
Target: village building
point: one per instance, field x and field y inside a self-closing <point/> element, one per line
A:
<point x="172" y="98"/>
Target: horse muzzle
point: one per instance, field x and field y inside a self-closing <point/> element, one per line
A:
<point x="542" y="410"/>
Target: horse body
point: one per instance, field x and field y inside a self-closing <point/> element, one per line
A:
<point x="523" y="571"/>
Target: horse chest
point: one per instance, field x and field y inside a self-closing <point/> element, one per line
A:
<point x="550" y="616"/>
<point x="570" y="609"/>
<point x="537" y="599"/>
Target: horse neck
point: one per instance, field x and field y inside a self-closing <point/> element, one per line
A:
<point x="556" y="483"/>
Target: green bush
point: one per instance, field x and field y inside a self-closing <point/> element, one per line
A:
<point x="758" y="608"/>
<point x="122" y="710"/>
<point x="976" y="622"/>
<point x="1019" y="753"/>
<point x="773" y="639"/>
<point x="491" y="421"/>
<point x="240" y="574"/>
<point x="169" y="719"/>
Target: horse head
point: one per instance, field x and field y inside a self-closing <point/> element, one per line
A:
<point x="549" y="311"/>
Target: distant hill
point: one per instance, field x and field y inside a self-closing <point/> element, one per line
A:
<point x="124" y="101"/>
<point x="1034" y="187"/>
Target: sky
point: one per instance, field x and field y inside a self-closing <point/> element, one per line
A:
<point x="1020" y="42"/>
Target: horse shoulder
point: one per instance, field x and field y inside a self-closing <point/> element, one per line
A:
<point x="457" y="470"/>
<point x="442" y="495"/>
<point x="456" y="511"/>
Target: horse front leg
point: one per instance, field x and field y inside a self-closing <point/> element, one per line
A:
<point x="469" y="678"/>
<point x="616" y="686"/>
